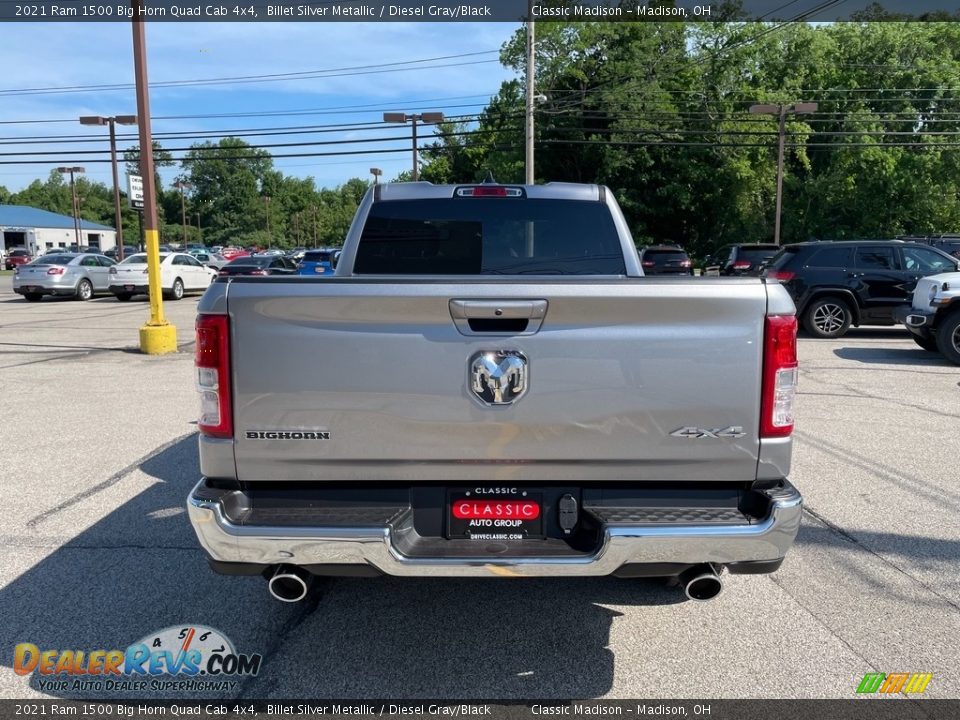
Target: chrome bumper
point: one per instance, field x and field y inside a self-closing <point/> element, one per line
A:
<point x="766" y="541"/>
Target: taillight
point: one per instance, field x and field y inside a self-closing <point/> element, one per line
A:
<point x="781" y="275"/>
<point x="686" y="263"/>
<point x="213" y="375"/>
<point x="223" y="272"/>
<point x="55" y="271"/>
<point x="257" y="272"/>
<point x="742" y="265"/>
<point x="779" y="376"/>
<point x="648" y="263"/>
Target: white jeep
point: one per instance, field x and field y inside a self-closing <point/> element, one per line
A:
<point x="933" y="319"/>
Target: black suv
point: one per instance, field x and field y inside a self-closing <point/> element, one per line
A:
<point x="665" y="260"/>
<point x="857" y="282"/>
<point x="744" y="259"/>
<point x="950" y="244"/>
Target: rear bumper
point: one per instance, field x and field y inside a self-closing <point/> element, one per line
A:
<point x="758" y="544"/>
<point x="129" y="288"/>
<point x="44" y="287"/>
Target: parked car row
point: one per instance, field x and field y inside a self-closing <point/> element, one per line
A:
<point x="860" y="282"/>
<point x="84" y="275"/>
<point x="835" y="285"/>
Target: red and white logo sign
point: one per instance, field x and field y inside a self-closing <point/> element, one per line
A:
<point x="492" y="509"/>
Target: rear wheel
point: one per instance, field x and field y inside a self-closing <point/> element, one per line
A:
<point x="123" y="297"/>
<point x="84" y="290"/>
<point x="176" y="292"/>
<point x="828" y="317"/>
<point x="32" y="297"/>
<point x="925" y="341"/>
<point x="948" y="338"/>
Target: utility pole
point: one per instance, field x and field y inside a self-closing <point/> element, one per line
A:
<point x="157" y="336"/>
<point x="199" y="230"/>
<point x="314" y="226"/>
<point x="427" y="118"/>
<point x="182" y="184"/>
<point x="780" y="111"/>
<point x="75" y="204"/>
<point x="528" y="145"/>
<point x="266" y="209"/>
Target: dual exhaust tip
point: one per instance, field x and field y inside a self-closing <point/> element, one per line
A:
<point x="702" y="583"/>
<point x="291" y="584"/>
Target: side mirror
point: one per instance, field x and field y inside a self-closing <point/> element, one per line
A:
<point x="334" y="259"/>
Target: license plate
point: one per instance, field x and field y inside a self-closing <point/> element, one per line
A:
<point x="33" y="288"/>
<point x="128" y="287"/>
<point x="491" y="517"/>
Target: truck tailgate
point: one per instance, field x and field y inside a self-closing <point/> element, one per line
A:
<point x="615" y="367"/>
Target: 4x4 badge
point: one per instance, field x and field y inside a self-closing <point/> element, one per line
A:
<point x="695" y="433"/>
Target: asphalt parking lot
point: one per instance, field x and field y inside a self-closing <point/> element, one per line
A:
<point x="99" y="451"/>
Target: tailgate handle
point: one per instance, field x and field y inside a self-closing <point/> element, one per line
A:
<point x="498" y="317"/>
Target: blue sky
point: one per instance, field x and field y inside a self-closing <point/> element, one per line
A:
<point x="56" y="55"/>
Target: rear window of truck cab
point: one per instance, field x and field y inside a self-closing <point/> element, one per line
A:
<point x="498" y="236"/>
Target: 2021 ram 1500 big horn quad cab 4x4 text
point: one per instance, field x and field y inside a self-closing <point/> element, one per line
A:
<point x="487" y="386"/>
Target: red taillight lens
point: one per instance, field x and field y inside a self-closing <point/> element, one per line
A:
<point x="257" y="272"/>
<point x="648" y="263"/>
<point x="781" y="275"/>
<point x="779" y="376"/>
<point x="685" y="263"/>
<point x="213" y="375"/>
<point x="222" y="272"/>
<point x="742" y="265"/>
<point x="55" y="271"/>
<point x="489" y="191"/>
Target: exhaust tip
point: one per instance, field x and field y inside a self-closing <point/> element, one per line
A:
<point x="289" y="584"/>
<point x="704" y="587"/>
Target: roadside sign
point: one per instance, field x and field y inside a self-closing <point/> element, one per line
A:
<point x="135" y="191"/>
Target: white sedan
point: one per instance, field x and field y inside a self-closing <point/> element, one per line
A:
<point x="179" y="273"/>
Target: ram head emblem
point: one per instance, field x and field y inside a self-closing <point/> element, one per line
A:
<point x="498" y="377"/>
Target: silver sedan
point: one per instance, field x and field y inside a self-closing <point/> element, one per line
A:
<point x="80" y="275"/>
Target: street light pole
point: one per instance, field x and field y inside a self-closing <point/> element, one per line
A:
<point x="376" y="172"/>
<point x="780" y="111"/>
<point x="112" y="122"/>
<point x="182" y="184"/>
<point x="528" y="144"/>
<point x="73" y="200"/>
<point x="427" y="118"/>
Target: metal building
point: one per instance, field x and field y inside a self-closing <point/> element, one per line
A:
<point x="41" y="230"/>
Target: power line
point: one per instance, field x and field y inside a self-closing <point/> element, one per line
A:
<point x="334" y="110"/>
<point x="398" y="66"/>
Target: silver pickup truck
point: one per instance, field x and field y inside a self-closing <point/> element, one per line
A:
<point x="488" y="386"/>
